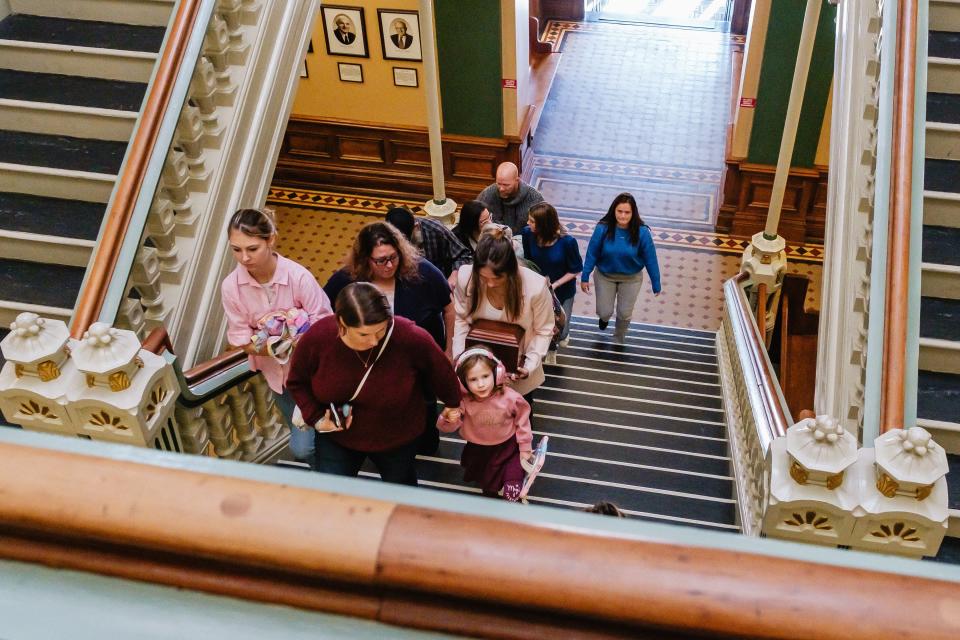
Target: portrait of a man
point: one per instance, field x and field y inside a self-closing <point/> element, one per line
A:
<point x="345" y="31"/>
<point x="400" y="36"/>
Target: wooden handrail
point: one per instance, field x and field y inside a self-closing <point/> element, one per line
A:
<point x="214" y="366"/>
<point x="762" y="311"/>
<point x="775" y="418"/>
<point x="896" y="305"/>
<point x="128" y="188"/>
<point x="378" y="559"/>
<point x="158" y="341"/>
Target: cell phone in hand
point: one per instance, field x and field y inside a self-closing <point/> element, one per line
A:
<point x="339" y="414"/>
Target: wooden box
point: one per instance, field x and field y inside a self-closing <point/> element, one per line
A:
<point x="502" y="338"/>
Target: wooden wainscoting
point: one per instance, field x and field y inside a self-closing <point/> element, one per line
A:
<point x="362" y="157"/>
<point x="746" y="197"/>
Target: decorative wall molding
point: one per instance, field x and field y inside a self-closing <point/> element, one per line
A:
<point x="848" y="238"/>
<point x="746" y="198"/>
<point x="364" y="157"/>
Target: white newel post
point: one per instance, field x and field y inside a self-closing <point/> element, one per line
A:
<point x="33" y="380"/>
<point x="123" y="393"/>
<point x="903" y="500"/>
<point x="812" y="497"/>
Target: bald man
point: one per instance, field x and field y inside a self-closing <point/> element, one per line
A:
<point x="510" y="198"/>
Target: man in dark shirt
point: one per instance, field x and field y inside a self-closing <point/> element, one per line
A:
<point x="437" y="243"/>
<point x="509" y="198"/>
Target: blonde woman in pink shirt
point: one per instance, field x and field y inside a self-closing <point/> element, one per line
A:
<point x="265" y="282"/>
<point x="495" y="422"/>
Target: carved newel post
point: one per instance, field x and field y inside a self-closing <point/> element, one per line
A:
<point x="903" y="501"/>
<point x="811" y="498"/>
<point x="124" y="393"/>
<point x="33" y="381"/>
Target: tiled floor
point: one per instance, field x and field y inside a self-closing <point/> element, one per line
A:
<point x="659" y="135"/>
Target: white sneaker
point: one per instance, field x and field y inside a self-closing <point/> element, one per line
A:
<point x="551" y="358"/>
<point x="564" y="343"/>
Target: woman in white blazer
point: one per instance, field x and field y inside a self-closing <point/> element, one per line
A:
<point x="496" y="287"/>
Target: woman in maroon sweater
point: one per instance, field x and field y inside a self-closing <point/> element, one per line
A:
<point x="387" y="416"/>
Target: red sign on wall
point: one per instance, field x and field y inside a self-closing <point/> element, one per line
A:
<point x="509" y="83"/>
<point x="748" y="103"/>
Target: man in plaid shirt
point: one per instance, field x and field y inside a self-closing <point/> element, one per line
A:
<point x="437" y="243"/>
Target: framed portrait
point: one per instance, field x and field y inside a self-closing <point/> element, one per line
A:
<point x="350" y="72"/>
<point x="400" y="34"/>
<point x="405" y="77"/>
<point x="344" y="30"/>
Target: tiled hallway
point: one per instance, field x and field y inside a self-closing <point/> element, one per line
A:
<point x="634" y="107"/>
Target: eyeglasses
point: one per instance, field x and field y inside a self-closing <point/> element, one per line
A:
<point x="382" y="262"/>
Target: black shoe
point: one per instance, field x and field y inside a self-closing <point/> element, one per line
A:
<point x="603" y="323"/>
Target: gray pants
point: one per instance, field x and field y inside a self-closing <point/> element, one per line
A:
<point x="622" y="288"/>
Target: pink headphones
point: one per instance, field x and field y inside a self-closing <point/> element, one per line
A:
<point x="499" y="374"/>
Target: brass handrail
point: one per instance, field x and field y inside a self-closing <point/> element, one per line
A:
<point x="896" y="304"/>
<point x="137" y="160"/>
<point x="434" y="569"/>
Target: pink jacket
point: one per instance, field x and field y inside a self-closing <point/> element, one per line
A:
<point x="493" y="419"/>
<point x="245" y="302"/>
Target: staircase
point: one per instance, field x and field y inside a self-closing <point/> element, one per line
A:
<point x="938" y="393"/>
<point x="639" y="424"/>
<point x="73" y="74"/>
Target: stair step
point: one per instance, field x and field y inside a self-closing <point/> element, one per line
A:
<point x="57" y="88"/>
<point x="640" y="328"/>
<point x="145" y="12"/>
<point x="940" y="318"/>
<point x="953" y="480"/>
<point x="50" y="216"/>
<point x="938" y="396"/>
<point x="941" y="245"/>
<point x="82" y="33"/>
<point x="61" y="152"/>
<point x="941" y="209"/>
<point x="49" y="285"/>
<point x="941" y="175"/>
<point x="943" y="44"/>
<point x="945" y="14"/>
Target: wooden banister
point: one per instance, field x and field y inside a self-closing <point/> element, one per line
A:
<point x="130" y="183"/>
<point x="896" y="305"/>
<point x="212" y="367"/>
<point x="762" y="311"/>
<point x="383" y="560"/>
<point x="158" y="341"/>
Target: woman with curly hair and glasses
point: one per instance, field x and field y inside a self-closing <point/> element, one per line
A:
<point x="416" y="290"/>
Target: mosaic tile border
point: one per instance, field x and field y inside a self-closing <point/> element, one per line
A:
<point x="674" y="238"/>
<point x="627" y="169"/>
<point x="556" y="30"/>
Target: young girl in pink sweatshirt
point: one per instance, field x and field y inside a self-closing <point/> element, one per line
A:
<point x="495" y="422"/>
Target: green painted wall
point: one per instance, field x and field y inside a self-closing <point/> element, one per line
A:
<point x="468" y="47"/>
<point x="776" y="76"/>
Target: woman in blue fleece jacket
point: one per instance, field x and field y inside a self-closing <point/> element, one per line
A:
<point x="620" y="248"/>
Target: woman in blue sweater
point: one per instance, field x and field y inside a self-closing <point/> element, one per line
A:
<point x="620" y="248"/>
<point x="557" y="255"/>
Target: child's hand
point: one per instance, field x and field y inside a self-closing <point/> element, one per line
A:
<point x="526" y="456"/>
<point x="451" y="414"/>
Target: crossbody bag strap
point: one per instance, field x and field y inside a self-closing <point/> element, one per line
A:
<point x="372" y="364"/>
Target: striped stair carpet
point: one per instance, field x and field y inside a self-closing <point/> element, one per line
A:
<point x="640" y="425"/>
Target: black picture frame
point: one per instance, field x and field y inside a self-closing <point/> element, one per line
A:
<point x="354" y="72"/>
<point x="337" y="45"/>
<point x="389" y="21"/>
<point x="402" y="77"/>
